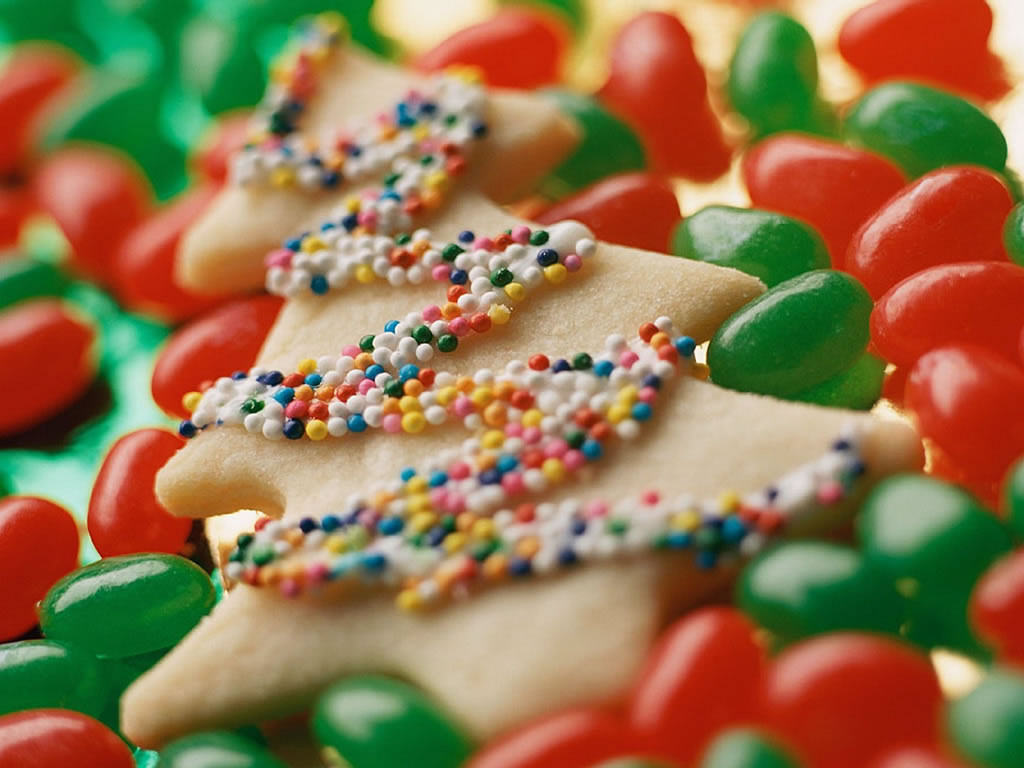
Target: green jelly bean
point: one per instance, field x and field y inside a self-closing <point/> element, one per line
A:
<point x="37" y="674"/>
<point x="216" y="749"/>
<point x="805" y="588"/>
<point x="858" y="387"/>
<point x="59" y="23"/>
<point x="22" y="279"/>
<point x="800" y="333"/>
<point x="377" y="722"/>
<point x="607" y="145"/>
<point x="934" y="541"/>
<point x="770" y="246"/>
<point x="220" y="62"/>
<point x="1013" y="498"/>
<point x="121" y="673"/>
<point x="987" y="725"/>
<point x="773" y="77"/>
<point x="921" y="129"/>
<point x="746" y="748"/>
<point x="128" y="605"/>
<point x="1013" y="234"/>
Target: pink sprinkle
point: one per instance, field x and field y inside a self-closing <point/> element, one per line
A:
<point x="556" y="448"/>
<point x="350" y="351"/>
<point x="572" y="262"/>
<point x="512" y="482"/>
<point x="365" y="386"/>
<point x="438" y="497"/>
<point x="484" y="243"/>
<point x="650" y="498"/>
<point x="440" y="273"/>
<point x="459" y="326"/>
<point x="647" y="395"/>
<point x="514" y="429"/>
<point x="391" y="423"/>
<point x="282" y="257"/>
<point x="459" y="471"/>
<point x="296" y="409"/>
<point x="369" y="194"/>
<point x="595" y="508"/>
<point x="627" y="358"/>
<point x="830" y="493"/>
<point x="463" y="406"/>
<point x="456" y="503"/>
<point x="289" y="588"/>
<point x="521" y="234"/>
<point x="368" y="518"/>
<point x="316" y="572"/>
<point x="532" y="435"/>
<point x="573" y="460"/>
<point x="431" y="313"/>
<point x="368" y="218"/>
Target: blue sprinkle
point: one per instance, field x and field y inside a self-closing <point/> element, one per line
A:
<point x="561" y="364"/>
<point x="706" y="559"/>
<point x="238" y="375"/>
<point x="313" y="380"/>
<point x="604" y="368"/>
<point x="438" y="479"/>
<point x="428" y="108"/>
<point x="465" y="236"/>
<point x="407" y="474"/>
<point x="187" y="429"/>
<point x="685" y="346"/>
<point x="579" y="526"/>
<point x="331" y="179"/>
<point x="592" y="449"/>
<point x="489" y="476"/>
<point x="507" y="463"/>
<point x="284" y="395"/>
<point x="328" y="225"/>
<point x="390" y="325"/>
<point x="308" y="525"/>
<point x="318" y="285"/>
<point x="407" y="372"/>
<point x="641" y="411"/>
<point x="353" y="151"/>
<point x="272" y="378"/>
<point x="519" y="566"/>
<point x="293" y="244"/>
<point x="479" y="129"/>
<point x="567" y="557"/>
<point x="678" y="540"/>
<point x="391" y="195"/>
<point x="841" y="445"/>
<point x="330" y="523"/>
<point x="293" y="429"/>
<point x="733" y="529"/>
<point x="316" y="160"/>
<point x="374" y="562"/>
<point x="389" y="526"/>
<point x="459" y="276"/>
<point x="436" y="535"/>
<point x="350" y="222"/>
<point x="772" y="493"/>
<point x="547" y="256"/>
<point x="652" y="381"/>
<point x="373" y="371"/>
<point x="356" y="423"/>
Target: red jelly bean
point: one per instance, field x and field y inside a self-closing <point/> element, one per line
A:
<point x="894" y="384"/>
<point x="636" y="209"/>
<point x="29" y="81"/>
<point x="224" y="340"/>
<point x="38" y="545"/>
<point x="832" y="187"/>
<point x="15" y="206"/>
<point x="703" y="675"/>
<point x="997" y="608"/>
<point x="980" y="303"/>
<point x="47" y="738"/>
<point x="228" y="136"/>
<point x="841" y="700"/>
<point x="658" y="86"/>
<point x="942" y="41"/>
<point x="573" y="739"/>
<point x="916" y="757"/>
<point x="969" y="402"/>
<point x="943" y="217"/>
<point x="54" y="353"/>
<point x="96" y="198"/>
<point x="124" y="514"/>
<point x="144" y="264"/>
<point x="540" y="38"/>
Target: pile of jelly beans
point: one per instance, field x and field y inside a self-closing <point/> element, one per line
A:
<point x="888" y="230"/>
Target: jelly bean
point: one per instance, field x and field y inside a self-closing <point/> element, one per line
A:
<point x="657" y="85"/>
<point x="744" y="748"/>
<point x="124" y="514"/>
<point x="773" y="76"/>
<point x="979" y="303"/>
<point x="486" y="46"/>
<point x="577" y="738"/>
<point x="15" y="207"/>
<point x="1013" y="234"/>
<point x="45" y="738"/>
<point x="894" y="384"/>
<point x="987" y="725"/>
<point x="1013" y="498"/>
<point x="997" y="608"/>
<point x="767" y="245"/>
<point x="205" y="350"/>
<point x="921" y="129"/>
<point x="857" y="388"/>
<point x="22" y="279"/>
<point x="125" y="606"/>
<point x="229" y="134"/>
<point x="45" y="673"/>
<point x="230" y="74"/>
<point x="911" y="528"/>
<point x="809" y="587"/>
<point x="96" y="198"/>
<point x="966" y="401"/>
<point x="799" y="333"/>
<point x="941" y="41"/>
<point x="42" y="337"/>
<point x="120" y="674"/>
<point x="22" y="21"/>
<point x="840" y="700"/>
<point x="943" y="217"/>
<point x="634" y="209"/>
<point x="216" y="749"/>
<point x="632" y="762"/>
<point x="377" y="722"/>
<point x="143" y="266"/>
<point x="29" y="81"/>
<point x="606" y="146"/>
<point x="702" y="676"/>
<point x="832" y="187"/>
<point x="916" y="757"/>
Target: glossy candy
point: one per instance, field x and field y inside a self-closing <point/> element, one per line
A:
<point x="124" y="514"/>
<point x="377" y="722"/>
<point x="1013" y="498"/>
<point x="949" y="215"/>
<point x="799" y="333"/>
<point x="773" y="76"/>
<point x="606" y="145"/>
<point x="745" y="748"/>
<point x="1013" y="234"/>
<point x="922" y="128"/>
<point x="840" y="700"/>
<point x="987" y="724"/>
<point x="15" y="207"/>
<point x="46" y="738"/>
<point x="967" y="402"/>
<point x="767" y="245"/>
<point x="221" y="63"/>
<point x="911" y="528"/>
<point x="216" y="749"/>
<point x="125" y="606"/>
<point x="702" y="676"/>
<point x="22" y="278"/>
<point x="997" y="608"/>
<point x="487" y="45"/>
<point x="658" y="86"/>
<point x="806" y="588"/>
<point x="635" y="209"/>
<point x="45" y="673"/>
<point x="96" y="198"/>
<point x="858" y="387"/>
<point x="41" y="336"/>
<point x="832" y="187"/>
<point x="144" y="264"/>
<point x="205" y="350"/>
<point x="228" y="135"/>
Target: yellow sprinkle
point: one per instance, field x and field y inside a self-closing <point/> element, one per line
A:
<point x="422" y="522"/>
<point x="419" y="503"/>
<point x="447" y="395"/>
<point x="408" y="600"/>
<point x="515" y="291"/>
<point x="465" y="384"/>
<point x="414" y="422"/>
<point x="465" y="521"/>
<point x="352" y="204"/>
<point x="450" y="310"/>
<point x="316" y="429"/>
<point x="493" y="439"/>
<point x="627" y="395"/>
<point x="282" y="177"/>
<point x="659" y="339"/>
<point x="499" y="314"/>
<point x="527" y="547"/>
<point x="617" y="413"/>
<point x="420" y="132"/>
<point x="304" y="392"/>
<point x="387" y="132"/>
<point x="494" y="415"/>
<point x="416" y="484"/>
<point x="686" y="521"/>
<point x="312" y="243"/>
<point x="381" y="499"/>
<point x="306" y="366"/>
<point x="191" y="400"/>
<point x="453" y="542"/>
<point x="700" y="371"/>
<point x="436" y="180"/>
<point x="495" y="566"/>
<point x="555" y="273"/>
<point x="335" y="544"/>
<point x="728" y="501"/>
<point x="483" y="528"/>
<point x="364" y="274"/>
<point x="409" y="404"/>
<point x="482" y="396"/>
<point x="532" y="418"/>
<point x="363" y="361"/>
<point x="553" y="470"/>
